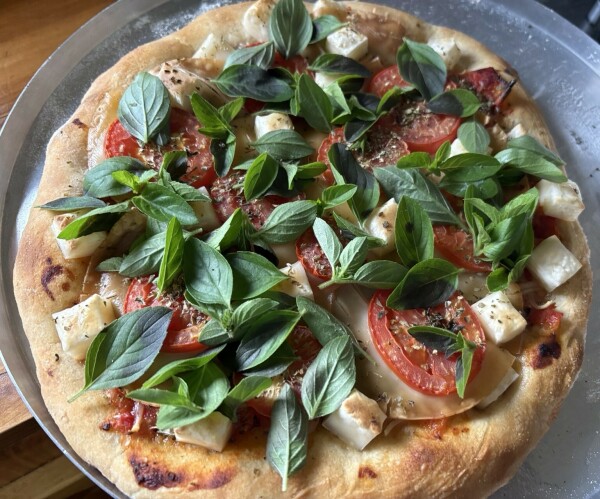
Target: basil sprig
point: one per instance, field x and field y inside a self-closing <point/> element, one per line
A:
<point x="144" y="108"/>
<point x="162" y="203"/>
<point x="259" y="55"/>
<point x="449" y="343"/>
<point x="99" y="182"/>
<point x="313" y="104"/>
<point x="290" y="27"/>
<point x="532" y="163"/>
<point x="423" y="67"/>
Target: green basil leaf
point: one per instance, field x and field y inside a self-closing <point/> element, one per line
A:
<point x="252" y="309"/>
<point x="223" y="151"/>
<point x="525" y="203"/>
<point x="434" y="338"/>
<point x="463" y="366"/>
<point x="413" y="233"/>
<point x="350" y="231"/>
<point x="290" y="27"/>
<point x="339" y="64"/>
<point x="276" y="364"/>
<point x="110" y="264"/>
<point x="380" y="274"/>
<point x="346" y="170"/>
<point x="528" y="143"/>
<point x="354" y="130"/>
<point x="252" y="274"/>
<point x="265" y="336"/>
<point x="94" y="221"/>
<point x="174" y="165"/>
<point x="391" y="99"/>
<point x="172" y="258"/>
<point x="506" y="237"/>
<point x="327" y="239"/>
<point x="329" y="379"/>
<point x="341" y="111"/>
<point x="310" y="170"/>
<point x="443" y="153"/>
<point x="163" y="204"/>
<point x="283" y="145"/>
<point x="415" y="160"/>
<point x="260" y="176"/>
<point x="145" y="258"/>
<point x="420" y="65"/>
<point x="353" y="256"/>
<point x="427" y="284"/>
<point x="531" y="163"/>
<point x="259" y="55"/>
<point x="456" y="102"/>
<point x="125" y="349"/>
<point x="98" y="181"/>
<point x="231" y="109"/>
<point x="497" y="280"/>
<point x="485" y="189"/>
<point x="145" y="107"/>
<point x="336" y="194"/>
<point x="228" y="234"/>
<point x="73" y="204"/>
<point x="208" y="276"/>
<point x="313" y="104"/>
<point x="470" y="167"/>
<point x="129" y="180"/>
<point x="322" y="324"/>
<point x="287" y="441"/>
<point x="209" y="116"/>
<point x="474" y="137"/>
<point x="163" y="397"/>
<point x="189" y="193"/>
<point x="323" y="26"/>
<point x="411" y="183"/>
<point x="214" y="333"/>
<point x="287" y="221"/>
<point x="253" y="82"/>
<point x="246" y="389"/>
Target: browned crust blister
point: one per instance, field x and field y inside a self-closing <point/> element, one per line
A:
<point x="478" y="451"/>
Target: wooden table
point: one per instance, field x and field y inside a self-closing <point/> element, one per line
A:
<point x="31" y="466"/>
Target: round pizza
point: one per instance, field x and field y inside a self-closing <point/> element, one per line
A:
<point x="318" y="250"/>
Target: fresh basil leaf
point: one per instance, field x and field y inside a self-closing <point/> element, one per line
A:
<point x="355" y="130"/>
<point x="145" y="107"/>
<point x="341" y="111"/>
<point x="380" y="274"/>
<point x="214" y="333"/>
<point x="290" y="27"/>
<point x="287" y="221"/>
<point x="329" y="379"/>
<point x="189" y="193"/>
<point x="252" y="309"/>
<point x="415" y="160"/>
<point x="94" y="221"/>
<point x="208" y="276"/>
<point x="335" y="195"/>
<point x="353" y="256"/>
<point x="246" y="389"/>
<point x="259" y="55"/>
<point x="124" y="350"/>
<point x="528" y="143"/>
<point x="346" y="170"/>
<point x="253" y="82"/>
<point x="339" y="64"/>
<point x="434" y="338"/>
<point x="283" y="145"/>
<point x="411" y="183"/>
<point x="427" y="284"/>
<point x="413" y="233"/>
<point x="129" y="180"/>
<point x="73" y="204"/>
<point x="163" y="397"/>
<point x="485" y="189"/>
<point x="463" y="366"/>
<point x="391" y="98"/>
<point x="313" y="104"/>
<point x="470" y="167"/>
<point x="231" y="109"/>
<point x="227" y="235"/>
<point x="506" y="237"/>
<point x="260" y="176"/>
<point x="174" y="165"/>
<point x="322" y="324"/>
<point x="172" y="258"/>
<point x="223" y="152"/>
<point x="525" y="203"/>
<point x="252" y="274"/>
<point x="276" y="364"/>
<point x="531" y="163"/>
<point x="497" y="280"/>
<point x="474" y="137"/>
<point x="209" y="116"/>
<point x="145" y="258"/>
<point x="265" y="336"/>
<point x="456" y="102"/>
<point x="110" y="264"/>
<point x="163" y="204"/>
<point x="287" y="441"/>
<point x="420" y="65"/>
<point x="323" y="26"/>
<point x="327" y="239"/>
<point x="310" y="170"/>
<point x="350" y="231"/>
<point x="98" y="181"/>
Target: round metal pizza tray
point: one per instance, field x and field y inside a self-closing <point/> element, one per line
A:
<point x="559" y="65"/>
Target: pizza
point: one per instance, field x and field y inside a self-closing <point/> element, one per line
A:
<point x="305" y="250"/>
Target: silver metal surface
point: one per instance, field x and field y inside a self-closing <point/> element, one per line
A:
<point x="558" y="64"/>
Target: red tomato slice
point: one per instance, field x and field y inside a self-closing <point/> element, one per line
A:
<point x="548" y="318"/>
<point x="184" y="136"/>
<point x="487" y="84"/>
<point x="425" y="370"/>
<point x="544" y="226"/>
<point x="335" y="136"/>
<point x="186" y="323"/>
<point x="385" y="80"/>
<point x="456" y="245"/>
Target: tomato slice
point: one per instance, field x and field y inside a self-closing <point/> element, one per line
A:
<point x="548" y="318"/>
<point x="487" y="84"/>
<point x="544" y="226"/>
<point x="423" y="369"/>
<point x="385" y="80"/>
<point x="186" y="323"/>
<point x="184" y="136"/>
<point x="456" y="245"/>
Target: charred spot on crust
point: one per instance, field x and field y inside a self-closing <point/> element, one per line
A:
<point x="78" y="123"/>
<point x="213" y="480"/>
<point x="366" y="472"/>
<point x="48" y="275"/>
<point x="545" y="353"/>
<point x="153" y="476"/>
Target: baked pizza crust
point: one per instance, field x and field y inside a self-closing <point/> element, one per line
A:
<point x="475" y="453"/>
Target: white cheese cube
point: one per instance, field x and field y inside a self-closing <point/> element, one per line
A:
<point x="297" y="284"/>
<point x="271" y="122"/>
<point x="517" y="131"/>
<point x="560" y="200"/>
<point x="204" y="210"/>
<point x="213" y="48"/>
<point x="79" y="325"/>
<point x="256" y="20"/>
<point x="500" y="321"/>
<point x="380" y="223"/>
<point x="473" y="287"/>
<point x="212" y="432"/>
<point x="348" y="43"/>
<point x="447" y="50"/>
<point x="324" y="79"/>
<point x="358" y="420"/>
<point x="457" y="148"/>
<point x="80" y="247"/>
<point x="552" y="263"/>
<point x="509" y="378"/>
